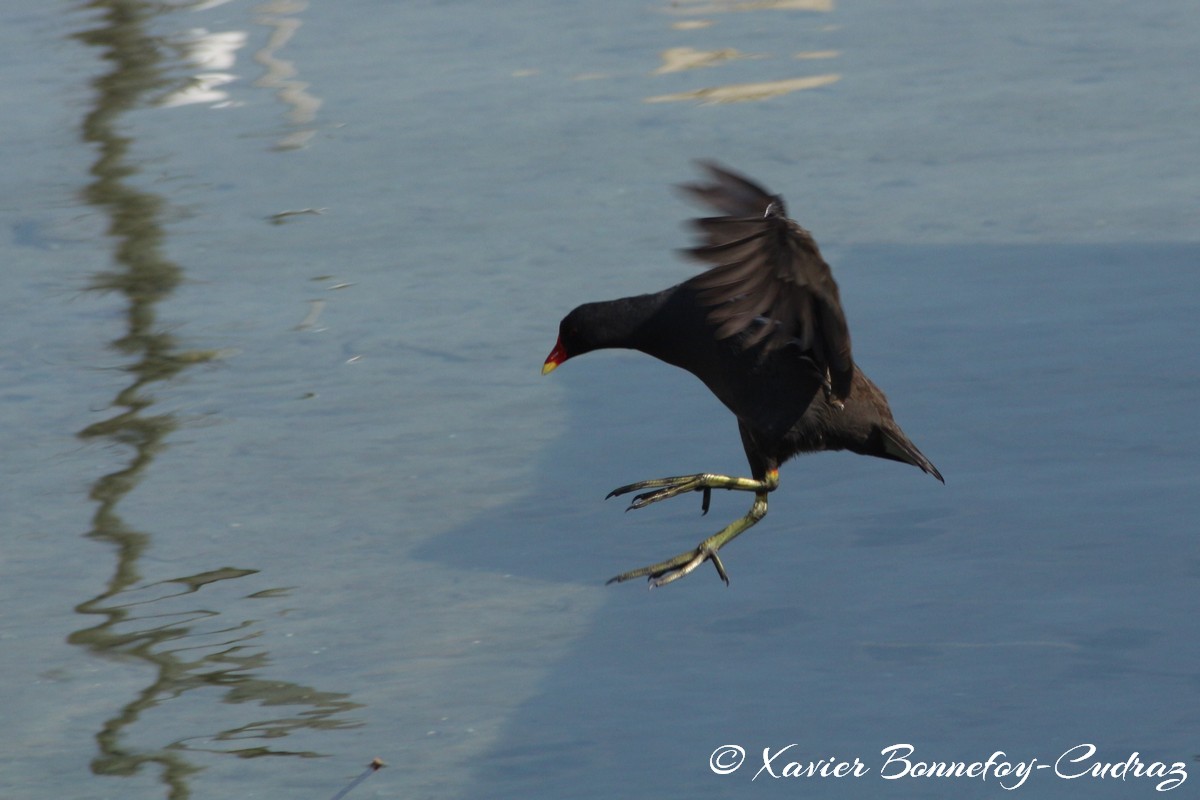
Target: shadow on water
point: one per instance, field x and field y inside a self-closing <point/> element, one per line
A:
<point x="873" y="606"/>
<point x="187" y="646"/>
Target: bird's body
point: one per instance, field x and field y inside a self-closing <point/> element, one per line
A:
<point x="781" y="398"/>
<point x="765" y="332"/>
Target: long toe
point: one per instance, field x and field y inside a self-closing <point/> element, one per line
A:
<point x="646" y="498"/>
<point x="657" y="484"/>
<point x="673" y="569"/>
<point x="656" y="571"/>
<point x="701" y="555"/>
<point x="673" y="575"/>
<point x="662" y="489"/>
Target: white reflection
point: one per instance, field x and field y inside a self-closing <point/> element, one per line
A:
<point x="282" y="18"/>
<point x="206" y="51"/>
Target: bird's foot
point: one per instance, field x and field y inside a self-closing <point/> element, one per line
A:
<point x="664" y="488"/>
<point x="673" y="569"/>
<point x="685" y="563"/>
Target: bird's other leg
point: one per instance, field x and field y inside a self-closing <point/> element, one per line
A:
<point x="664" y="488"/>
<point x="683" y="564"/>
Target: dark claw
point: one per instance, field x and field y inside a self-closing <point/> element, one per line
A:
<point x="704" y="502"/>
<point x="620" y="490"/>
<point x="639" y="501"/>
<point x="716" y="559"/>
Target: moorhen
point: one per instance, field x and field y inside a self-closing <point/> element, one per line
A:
<point x="763" y="328"/>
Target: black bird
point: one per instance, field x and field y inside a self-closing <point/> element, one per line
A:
<point x="763" y="328"/>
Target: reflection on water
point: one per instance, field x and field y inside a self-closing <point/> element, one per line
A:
<point x="206" y="51"/>
<point x="682" y="59"/>
<point x="282" y="17"/>
<point x="160" y="625"/>
<point x="677" y="59"/>
<point x="723" y="6"/>
<point x="739" y="92"/>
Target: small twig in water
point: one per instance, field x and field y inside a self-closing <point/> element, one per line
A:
<point x="375" y="765"/>
<point x="282" y="216"/>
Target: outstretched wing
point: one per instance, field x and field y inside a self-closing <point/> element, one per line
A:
<point x="768" y="279"/>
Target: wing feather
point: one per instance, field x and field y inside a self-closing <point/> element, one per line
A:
<point x="767" y="282"/>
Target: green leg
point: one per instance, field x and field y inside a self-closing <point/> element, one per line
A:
<point x="664" y="488"/>
<point x="683" y="564"/>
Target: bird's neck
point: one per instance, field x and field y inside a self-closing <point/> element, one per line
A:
<point x="632" y="323"/>
<point x="671" y="326"/>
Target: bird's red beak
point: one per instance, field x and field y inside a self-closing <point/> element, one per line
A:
<point x="556" y="357"/>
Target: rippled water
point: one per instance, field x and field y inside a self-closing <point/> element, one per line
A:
<point x="283" y="480"/>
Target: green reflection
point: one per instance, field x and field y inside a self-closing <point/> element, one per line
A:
<point x="187" y="647"/>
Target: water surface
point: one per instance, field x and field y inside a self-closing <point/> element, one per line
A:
<point x="285" y="492"/>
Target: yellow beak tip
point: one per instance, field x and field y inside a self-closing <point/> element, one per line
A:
<point x="549" y="367"/>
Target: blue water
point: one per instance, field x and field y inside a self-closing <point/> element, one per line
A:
<point x="285" y="492"/>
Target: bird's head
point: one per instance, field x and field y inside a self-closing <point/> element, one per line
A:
<point x="576" y="336"/>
